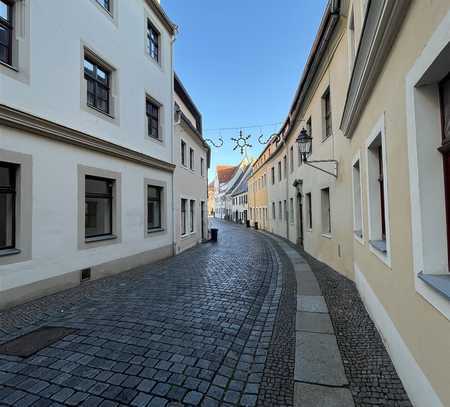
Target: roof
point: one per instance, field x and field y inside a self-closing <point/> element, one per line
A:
<point x="243" y="186"/>
<point x="225" y="172"/>
<point x="158" y="10"/>
<point x="183" y="94"/>
<point x="327" y="25"/>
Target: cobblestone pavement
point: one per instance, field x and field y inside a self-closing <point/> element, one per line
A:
<point x="195" y="329"/>
<point x="372" y="378"/>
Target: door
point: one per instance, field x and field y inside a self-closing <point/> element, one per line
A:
<point x="300" y="220"/>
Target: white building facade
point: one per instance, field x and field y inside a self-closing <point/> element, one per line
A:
<point x="86" y="142"/>
<point x="191" y="173"/>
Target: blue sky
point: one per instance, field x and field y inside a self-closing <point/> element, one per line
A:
<point x="241" y="61"/>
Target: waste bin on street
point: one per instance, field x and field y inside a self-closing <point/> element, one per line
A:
<point x="256" y="225"/>
<point x="214" y="233"/>
<point x="247" y="222"/>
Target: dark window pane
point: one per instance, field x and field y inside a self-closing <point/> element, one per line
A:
<point x="97" y="86"/>
<point x="6" y="177"/>
<point x="445" y="107"/>
<point x="98" y="209"/>
<point x="6" y="220"/>
<point x="98" y="186"/>
<point x="98" y="216"/>
<point x="152" y="119"/>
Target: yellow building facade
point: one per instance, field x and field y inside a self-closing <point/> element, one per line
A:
<point x="373" y="199"/>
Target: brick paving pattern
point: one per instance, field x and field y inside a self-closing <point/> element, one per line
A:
<point x="195" y="329"/>
<point x="369" y="369"/>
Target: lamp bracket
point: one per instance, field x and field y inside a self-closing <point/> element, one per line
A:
<point x="333" y="174"/>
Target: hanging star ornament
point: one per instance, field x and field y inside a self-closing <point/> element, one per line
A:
<point x="241" y="142"/>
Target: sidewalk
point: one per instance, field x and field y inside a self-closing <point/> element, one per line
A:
<point x="340" y="358"/>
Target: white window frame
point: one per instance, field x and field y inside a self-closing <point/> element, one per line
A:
<point x="357" y="194"/>
<point x="429" y="234"/>
<point x="371" y="190"/>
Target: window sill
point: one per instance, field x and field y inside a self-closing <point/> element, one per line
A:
<point x="13" y="68"/>
<point x="100" y="238"/>
<point x="439" y="282"/>
<point x="156" y="230"/>
<point x="101" y="111"/>
<point x="156" y="140"/>
<point x="379" y="245"/>
<point x="188" y="235"/>
<point x="327" y="235"/>
<point x="9" y="252"/>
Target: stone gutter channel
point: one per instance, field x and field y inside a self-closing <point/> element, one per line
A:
<point x="319" y="374"/>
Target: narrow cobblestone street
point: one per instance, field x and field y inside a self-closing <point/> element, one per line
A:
<point x="195" y="329"/>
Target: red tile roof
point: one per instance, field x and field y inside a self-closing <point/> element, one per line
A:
<point x="225" y="172"/>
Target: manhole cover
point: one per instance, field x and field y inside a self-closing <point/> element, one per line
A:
<point x="34" y="341"/>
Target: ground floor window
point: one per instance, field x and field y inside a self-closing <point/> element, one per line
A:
<point x="357" y="201"/>
<point x="326" y="211"/>
<point x="192" y="215"/>
<point x="274" y="211"/>
<point x="7" y="205"/>
<point x="291" y="209"/>
<point x="309" y="210"/>
<point x="280" y="210"/>
<point x="183" y="216"/>
<point x="98" y="206"/>
<point x="153" y="207"/>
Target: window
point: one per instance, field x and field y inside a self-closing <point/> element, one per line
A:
<point x="7" y="205"/>
<point x="202" y="166"/>
<point x="285" y="166"/>
<point x="98" y="85"/>
<point x="274" y="211"/>
<point x="326" y="211"/>
<point x="183" y="153"/>
<point x="357" y="201"/>
<point x="309" y="210"/>
<point x="153" y="207"/>
<point x="273" y="175"/>
<point x="105" y="4"/>
<point x="291" y="210"/>
<point x="183" y="216"/>
<point x="280" y="211"/>
<point x="98" y="206"/>
<point x="279" y="171"/>
<point x="152" y="111"/>
<point x="6" y="31"/>
<point x="291" y="158"/>
<point x="191" y="215"/>
<point x="152" y="41"/>
<point x="191" y="159"/>
<point x="376" y="194"/>
<point x="326" y="109"/>
<point x="286" y="214"/>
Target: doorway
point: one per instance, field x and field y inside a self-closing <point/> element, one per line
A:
<point x="300" y="220"/>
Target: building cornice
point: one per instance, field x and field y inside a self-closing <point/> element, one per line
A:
<point x="160" y="13"/>
<point x="18" y="119"/>
<point x="381" y="26"/>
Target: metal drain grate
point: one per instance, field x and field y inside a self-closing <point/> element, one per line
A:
<point x="32" y="342"/>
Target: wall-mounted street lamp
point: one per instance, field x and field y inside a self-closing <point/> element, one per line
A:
<point x="304" y="141"/>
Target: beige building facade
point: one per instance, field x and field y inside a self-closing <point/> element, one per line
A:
<point x="372" y="199"/>
<point x="192" y="156"/>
